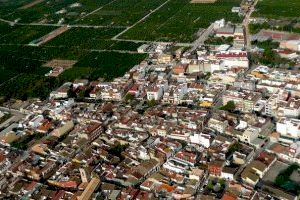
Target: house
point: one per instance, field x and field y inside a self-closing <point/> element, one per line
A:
<point x="293" y="45"/>
<point x="258" y="168"/>
<point x="89" y="190"/>
<point x="234" y="59"/>
<point x="80" y="83"/>
<point x="228" y="173"/>
<point x="186" y="157"/>
<point x="288" y="127"/>
<point x="201" y="139"/>
<point x="218" y="123"/>
<point x="290" y="109"/>
<point x="236" y="9"/>
<point x="245" y="101"/>
<point x="229" y="196"/>
<point x="154" y="92"/>
<point x="249" y="135"/>
<point x="164" y="58"/>
<point x="61" y="92"/>
<point x="63" y="129"/>
<point x="288" y="152"/>
<point x="215" y="168"/>
<point x="227" y="31"/>
<point x="179" y="69"/>
<point x="288" y="54"/>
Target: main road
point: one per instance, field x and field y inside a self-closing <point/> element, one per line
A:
<point x="246" y="22"/>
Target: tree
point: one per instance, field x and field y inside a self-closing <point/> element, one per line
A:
<point x="81" y="94"/>
<point x="129" y="97"/>
<point x="71" y="93"/>
<point x="151" y="103"/>
<point x="230" y="106"/>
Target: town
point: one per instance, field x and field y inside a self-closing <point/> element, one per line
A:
<point x="191" y="121"/>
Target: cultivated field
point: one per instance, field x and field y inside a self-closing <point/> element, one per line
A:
<point x="102" y="36"/>
<point x="48" y="11"/>
<point x="122" y="12"/>
<point x="179" y="20"/>
<point x="278" y="9"/>
<point x="24" y="34"/>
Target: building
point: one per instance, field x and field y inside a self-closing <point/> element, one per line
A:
<point x="249" y="135"/>
<point x="154" y="92"/>
<point x="245" y="101"/>
<point x="233" y="59"/>
<point x="89" y="190"/>
<point x="215" y="168"/>
<point x="288" y="127"/>
<point x="293" y="45"/>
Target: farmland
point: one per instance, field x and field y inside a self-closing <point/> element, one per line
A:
<point x="122" y="12"/>
<point x="48" y="11"/>
<point x="109" y="64"/>
<point x="31" y="82"/>
<point x="87" y="38"/>
<point x="180" y="20"/>
<point x="102" y="37"/>
<point x="92" y="38"/>
<point x="275" y="9"/>
<point x="24" y="34"/>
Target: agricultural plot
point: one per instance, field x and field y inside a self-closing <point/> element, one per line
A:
<point x="92" y="38"/>
<point x="122" y="12"/>
<point x="27" y="85"/>
<point x="24" y="34"/>
<point x="109" y="64"/>
<point x="86" y="38"/>
<point x="49" y="11"/>
<point x="5" y="28"/>
<point x="5" y="75"/>
<point x="179" y="20"/>
<point x="8" y="6"/>
<point x="278" y="9"/>
<point x="26" y="64"/>
<point x="22" y="74"/>
<point x="22" y="67"/>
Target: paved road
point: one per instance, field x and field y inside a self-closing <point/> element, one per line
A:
<point x="94" y="11"/>
<point x="61" y="25"/>
<point x="113" y="50"/>
<point x="246" y="25"/>
<point x="71" y="26"/>
<point x="155" y="42"/>
<point x="204" y="35"/>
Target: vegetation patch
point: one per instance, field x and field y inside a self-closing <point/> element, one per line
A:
<point x="122" y="12"/>
<point x="25" y="34"/>
<point x="283" y="180"/>
<point x="269" y="57"/>
<point x="179" y="20"/>
<point x="278" y="9"/>
<point x="49" y="11"/>
<point x="86" y="38"/>
<point x="109" y="65"/>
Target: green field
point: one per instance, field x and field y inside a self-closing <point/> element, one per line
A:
<point x="179" y="20"/>
<point x="109" y="64"/>
<point x="5" y="75"/>
<point x="92" y="38"/>
<point x="98" y="55"/>
<point x="24" y="34"/>
<point x="86" y="38"/>
<point x="278" y="9"/>
<point x="25" y="64"/>
<point x="122" y="12"/>
<point x="47" y="11"/>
